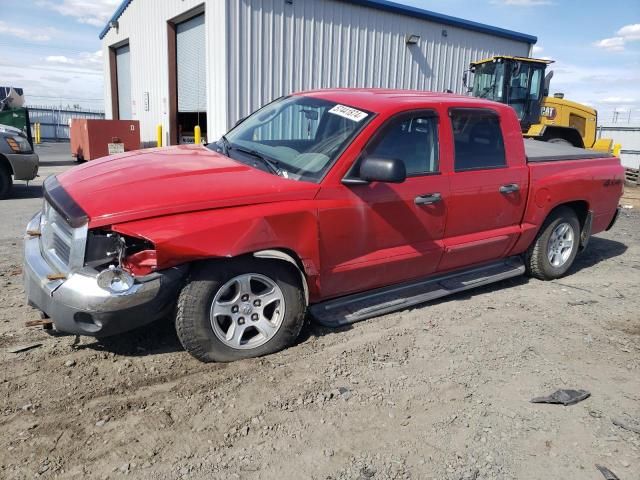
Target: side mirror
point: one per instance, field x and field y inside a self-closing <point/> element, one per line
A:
<point x="378" y="169"/>
<point x="547" y="83"/>
<point x="465" y="80"/>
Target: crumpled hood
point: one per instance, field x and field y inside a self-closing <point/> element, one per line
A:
<point x="163" y="181"/>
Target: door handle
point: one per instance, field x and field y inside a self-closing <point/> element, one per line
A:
<point x="509" y="188"/>
<point x="428" y="199"/>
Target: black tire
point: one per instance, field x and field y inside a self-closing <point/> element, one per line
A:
<point x="560" y="141"/>
<point x="6" y="182"/>
<point x="537" y="260"/>
<point x="193" y="322"/>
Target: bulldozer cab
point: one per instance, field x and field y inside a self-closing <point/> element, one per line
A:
<point x="517" y="81"/>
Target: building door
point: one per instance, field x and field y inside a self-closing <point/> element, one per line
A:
<point x="191" y="78"/>
<point x="123" y="73"/>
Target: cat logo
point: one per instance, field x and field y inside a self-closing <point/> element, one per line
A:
<point x="549" y="112"/>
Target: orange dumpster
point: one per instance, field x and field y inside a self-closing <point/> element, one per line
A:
<point x="91" y="139"/>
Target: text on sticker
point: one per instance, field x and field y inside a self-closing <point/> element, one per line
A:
<point x="348" y="112"/>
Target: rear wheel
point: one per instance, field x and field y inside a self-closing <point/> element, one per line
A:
<point x="240" y="309"/>
<point x="6" y="182"/>
<point x="556" y="246"/>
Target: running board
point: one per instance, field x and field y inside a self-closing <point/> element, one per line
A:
<point x="360" y="306"/>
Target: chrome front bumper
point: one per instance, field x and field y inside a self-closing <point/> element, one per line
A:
<point x="76" y="303"/>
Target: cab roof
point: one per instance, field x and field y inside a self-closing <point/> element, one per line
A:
<point x="378" y="100"/>
<point x="520" y="59"/>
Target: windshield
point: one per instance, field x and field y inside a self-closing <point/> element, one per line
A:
<point x="488" y="80"/>
<point x="295" y="137"/>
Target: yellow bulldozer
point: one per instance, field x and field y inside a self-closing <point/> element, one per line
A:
<point x="522" y="83"/>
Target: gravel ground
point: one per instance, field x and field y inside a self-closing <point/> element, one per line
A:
<point x="436" y="392"/>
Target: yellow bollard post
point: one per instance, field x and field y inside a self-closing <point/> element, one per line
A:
<point x="38" y="133"/>
<point x="616" y="150"/>
<point x="159" y="135"/>
<point x="196" y="135"/>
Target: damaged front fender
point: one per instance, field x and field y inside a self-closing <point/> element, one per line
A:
<point x="261" y="230"/>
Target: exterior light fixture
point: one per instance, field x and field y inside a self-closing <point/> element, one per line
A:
<point x="412" y="39"/>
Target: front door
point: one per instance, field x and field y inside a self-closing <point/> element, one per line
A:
<point x="377" y="234"/>
<point x="488" y="191"/>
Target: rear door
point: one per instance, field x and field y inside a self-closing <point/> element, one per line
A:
<point x="376" y="234"/>
<point x="488" y="191"/>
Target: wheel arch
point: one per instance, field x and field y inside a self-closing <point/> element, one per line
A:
<point x="285" y="255"/>
<point x="5" y="163"/>
<point x="276" y="253"/>
<point x="570" y="134"/>
<point x="580" y="207"/>
<point x="584" y="215"/>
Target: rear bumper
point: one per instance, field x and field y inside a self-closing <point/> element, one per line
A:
<point x="614" y="219"/>
<point x="24" y="165"/>
<point x="78" y="305"/>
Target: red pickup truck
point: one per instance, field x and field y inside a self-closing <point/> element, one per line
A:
<point x="343" y="203"/>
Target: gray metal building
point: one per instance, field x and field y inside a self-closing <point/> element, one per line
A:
<point x="628" y="136"/>
<point x="212" y="62"/>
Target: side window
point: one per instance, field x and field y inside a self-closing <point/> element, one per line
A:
<point x="414" y="140"/>
<point x="536" y="83"/>
<point x="477" y="139"/>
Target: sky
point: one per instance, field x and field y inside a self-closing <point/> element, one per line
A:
<point x="52" y="50"/>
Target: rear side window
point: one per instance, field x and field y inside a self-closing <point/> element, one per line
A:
<point x="412" y="139"/>
<point x="478" y="140"/>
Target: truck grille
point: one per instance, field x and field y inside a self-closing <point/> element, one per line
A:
<point x="61" y="248"/>
<point x="62" y="245"/>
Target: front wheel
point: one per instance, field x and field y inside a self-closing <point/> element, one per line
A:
<point x="556" y="246"/>
<point x="243" y="308"/>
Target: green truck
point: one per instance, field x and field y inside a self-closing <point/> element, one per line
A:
<point x="18" y="161"/>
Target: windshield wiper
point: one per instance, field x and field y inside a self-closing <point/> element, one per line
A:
<point x="225" y="145"/>
<point x="271" y="165"/>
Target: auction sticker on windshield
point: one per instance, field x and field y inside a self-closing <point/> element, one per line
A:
<point x="348" y="112"/>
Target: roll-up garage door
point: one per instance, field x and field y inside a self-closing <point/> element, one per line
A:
<point x="190" y="53"/>
<point x="124" y="82"/>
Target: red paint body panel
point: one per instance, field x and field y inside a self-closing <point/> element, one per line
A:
<point x="90" y="138"/>
<point x="167" y="181"/>
<point x="195" y="204"/>
<point x="598" y="183"/>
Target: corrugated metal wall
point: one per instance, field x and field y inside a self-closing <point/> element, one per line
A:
<point x="278" y="47"/>
<point x="269" y="48"/>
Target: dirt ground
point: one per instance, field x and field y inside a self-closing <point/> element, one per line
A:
<point x="436" y="392"/>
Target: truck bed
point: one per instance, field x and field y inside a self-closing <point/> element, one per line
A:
<point x="538" y="151"/>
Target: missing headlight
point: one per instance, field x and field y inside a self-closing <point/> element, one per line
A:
<point x="106" y="248"/>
